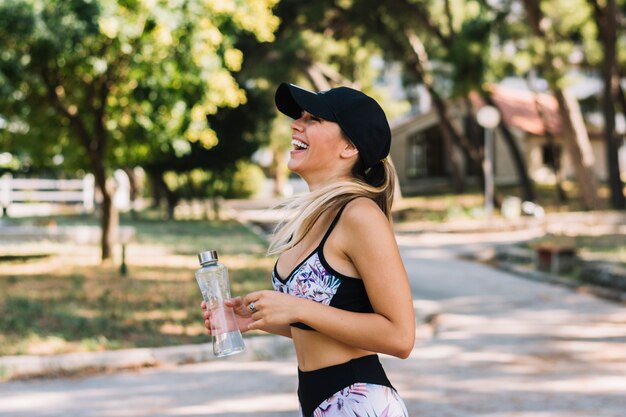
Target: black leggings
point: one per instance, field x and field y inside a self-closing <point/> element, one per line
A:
<point x="316" y="386"/>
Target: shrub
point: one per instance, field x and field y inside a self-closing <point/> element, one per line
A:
<point x="247" y="181"/>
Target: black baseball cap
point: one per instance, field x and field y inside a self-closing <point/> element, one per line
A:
<point x="359" y="116"/>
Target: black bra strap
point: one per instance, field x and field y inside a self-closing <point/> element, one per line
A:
<point x="332" y="226"/>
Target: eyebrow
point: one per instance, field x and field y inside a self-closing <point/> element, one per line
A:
<point x="304" y="112"/>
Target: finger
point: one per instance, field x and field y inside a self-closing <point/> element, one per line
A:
<point x="242" y="310"/>
<point x="257" y="324"/>
<point x="253" y="297"/>
<point x="234" y="303"/>
<point x="203" y="305"/>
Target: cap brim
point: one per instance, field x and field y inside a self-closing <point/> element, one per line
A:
<point x="291" y="100"/>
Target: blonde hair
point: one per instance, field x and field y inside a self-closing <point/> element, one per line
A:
<point x="301" y="212"/>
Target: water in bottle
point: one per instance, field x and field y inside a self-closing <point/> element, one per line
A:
<point x="212" y="279"/>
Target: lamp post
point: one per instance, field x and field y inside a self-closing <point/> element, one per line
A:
<point x="488" y="118"/>
<point x="620" y="129"/>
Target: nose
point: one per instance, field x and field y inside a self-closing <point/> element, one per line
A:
<point x="297" y="125"/>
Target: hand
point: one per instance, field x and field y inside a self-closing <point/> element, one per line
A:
<point x="272" y="308"/>
<point x="242" y="314"/>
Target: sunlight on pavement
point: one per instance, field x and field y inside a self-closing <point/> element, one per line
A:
<point x="24" y="402"/>
<point x="265" y="403"/>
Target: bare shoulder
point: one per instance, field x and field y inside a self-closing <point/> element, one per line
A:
<point x="363" y="213"/>
<point x="367" y="236"/>
<point x="362" y="203"/>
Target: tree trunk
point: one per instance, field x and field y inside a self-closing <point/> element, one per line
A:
<point x="579" y="147"/>
<point x="458" y="184"/>
<point x="216" y="203"/>
<point x="281" y="173"/>
<point x="607" y="35"/>
<point x="106" y="213"/>
<point x="95" y="148"/>
<point x="612" y="147"/>
<point x="161" y="191"/>
<point x="574" y="129"/>
<point x="556" y="164"/>
<point x="134" y="191"/>
<point x="472" y="153"/>
<point x="317" y="78"/>
<point x="620" y="93"/>
<point x="526" y="186"/>
<point x="450" y="134"/>
<point x="155" y="186"/>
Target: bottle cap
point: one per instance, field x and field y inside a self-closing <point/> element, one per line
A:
<point x="207" y="257"/>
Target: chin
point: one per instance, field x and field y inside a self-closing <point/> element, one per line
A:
<point x="294" y="167"/>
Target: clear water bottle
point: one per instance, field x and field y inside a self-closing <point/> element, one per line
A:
<point x="212" y="279"/>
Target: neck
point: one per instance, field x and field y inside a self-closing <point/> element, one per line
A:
<point x="317" y="183"/>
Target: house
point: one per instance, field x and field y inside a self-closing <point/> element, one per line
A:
<point x="422" y="159"/>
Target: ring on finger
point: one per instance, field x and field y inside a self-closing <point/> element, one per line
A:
<point x="251" y="307"/>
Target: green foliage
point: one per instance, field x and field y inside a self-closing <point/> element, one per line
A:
<point x="133" y="76"/>
<point x="242" y="181"/>
<point x="125" y="81"/>
<point x="246" y="182"/>
<point x="568" y="27"/>
<point x="469" y="54"/>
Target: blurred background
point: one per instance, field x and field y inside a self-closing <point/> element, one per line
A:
<point x="136" y="133"/>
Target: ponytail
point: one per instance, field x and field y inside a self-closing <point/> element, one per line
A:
<point x="381" y="176"/>
<point x="376" y="183"/>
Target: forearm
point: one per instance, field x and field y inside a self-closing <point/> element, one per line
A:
<point x="369" y="331"/>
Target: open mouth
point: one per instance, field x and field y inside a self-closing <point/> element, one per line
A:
<point x="298" y="145"/>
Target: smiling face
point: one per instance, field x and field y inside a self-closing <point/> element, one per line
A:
<point x="320" y="151"/>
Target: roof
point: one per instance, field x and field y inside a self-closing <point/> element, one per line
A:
<point x="522" y="109"/>
<point x="525" y="110"/>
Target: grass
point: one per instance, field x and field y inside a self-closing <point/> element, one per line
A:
<point x="608" y="247"/>
<point x="443" y="207"/>
<point x="438" y="208"/>
<point x="58" y="298"/>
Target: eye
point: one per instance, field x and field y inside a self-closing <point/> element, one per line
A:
<point x="308" y="116"/>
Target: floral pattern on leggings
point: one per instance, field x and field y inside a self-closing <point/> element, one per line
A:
<point x="363" y="400"/>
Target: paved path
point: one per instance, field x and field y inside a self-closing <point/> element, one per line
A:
<point x="496" y="346"/>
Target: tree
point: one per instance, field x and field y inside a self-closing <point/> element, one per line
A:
<point x="548" y="45"/>
<point x="464" y="37"/>
<point x="306" y="53"/>
<point x="120" y="79"/>
<point x="241" y="131"/>
<point x="443" y="46"/>
<point x="606" y="22"/>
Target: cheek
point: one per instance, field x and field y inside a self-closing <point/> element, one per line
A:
<point x="321" y="154"/>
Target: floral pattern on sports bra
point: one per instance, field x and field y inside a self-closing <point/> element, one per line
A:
<point x="310" y="280"/>
<point x="314" y="279"/>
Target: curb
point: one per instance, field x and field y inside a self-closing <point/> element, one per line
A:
<point x="611" y="220"/>
<point x="32" y="366"/>
<point x="539" y="276"/>
<point x="487" y="257"/>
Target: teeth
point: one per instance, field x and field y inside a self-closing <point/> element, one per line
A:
<point x="299" y="144"/>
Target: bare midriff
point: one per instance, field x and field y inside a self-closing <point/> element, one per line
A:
<point x="315" y="350"/>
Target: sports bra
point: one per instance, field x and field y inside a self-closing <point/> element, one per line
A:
<point x="314" y="279"/>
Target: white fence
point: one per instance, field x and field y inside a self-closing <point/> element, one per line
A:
<point x="35" y="190"/>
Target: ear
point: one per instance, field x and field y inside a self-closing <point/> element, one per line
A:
<point x="349" y="151"/>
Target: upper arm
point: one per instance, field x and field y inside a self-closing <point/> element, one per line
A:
<point x="369" y="242"/>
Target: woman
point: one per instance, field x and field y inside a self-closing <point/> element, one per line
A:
<point x="340" y="288"/>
